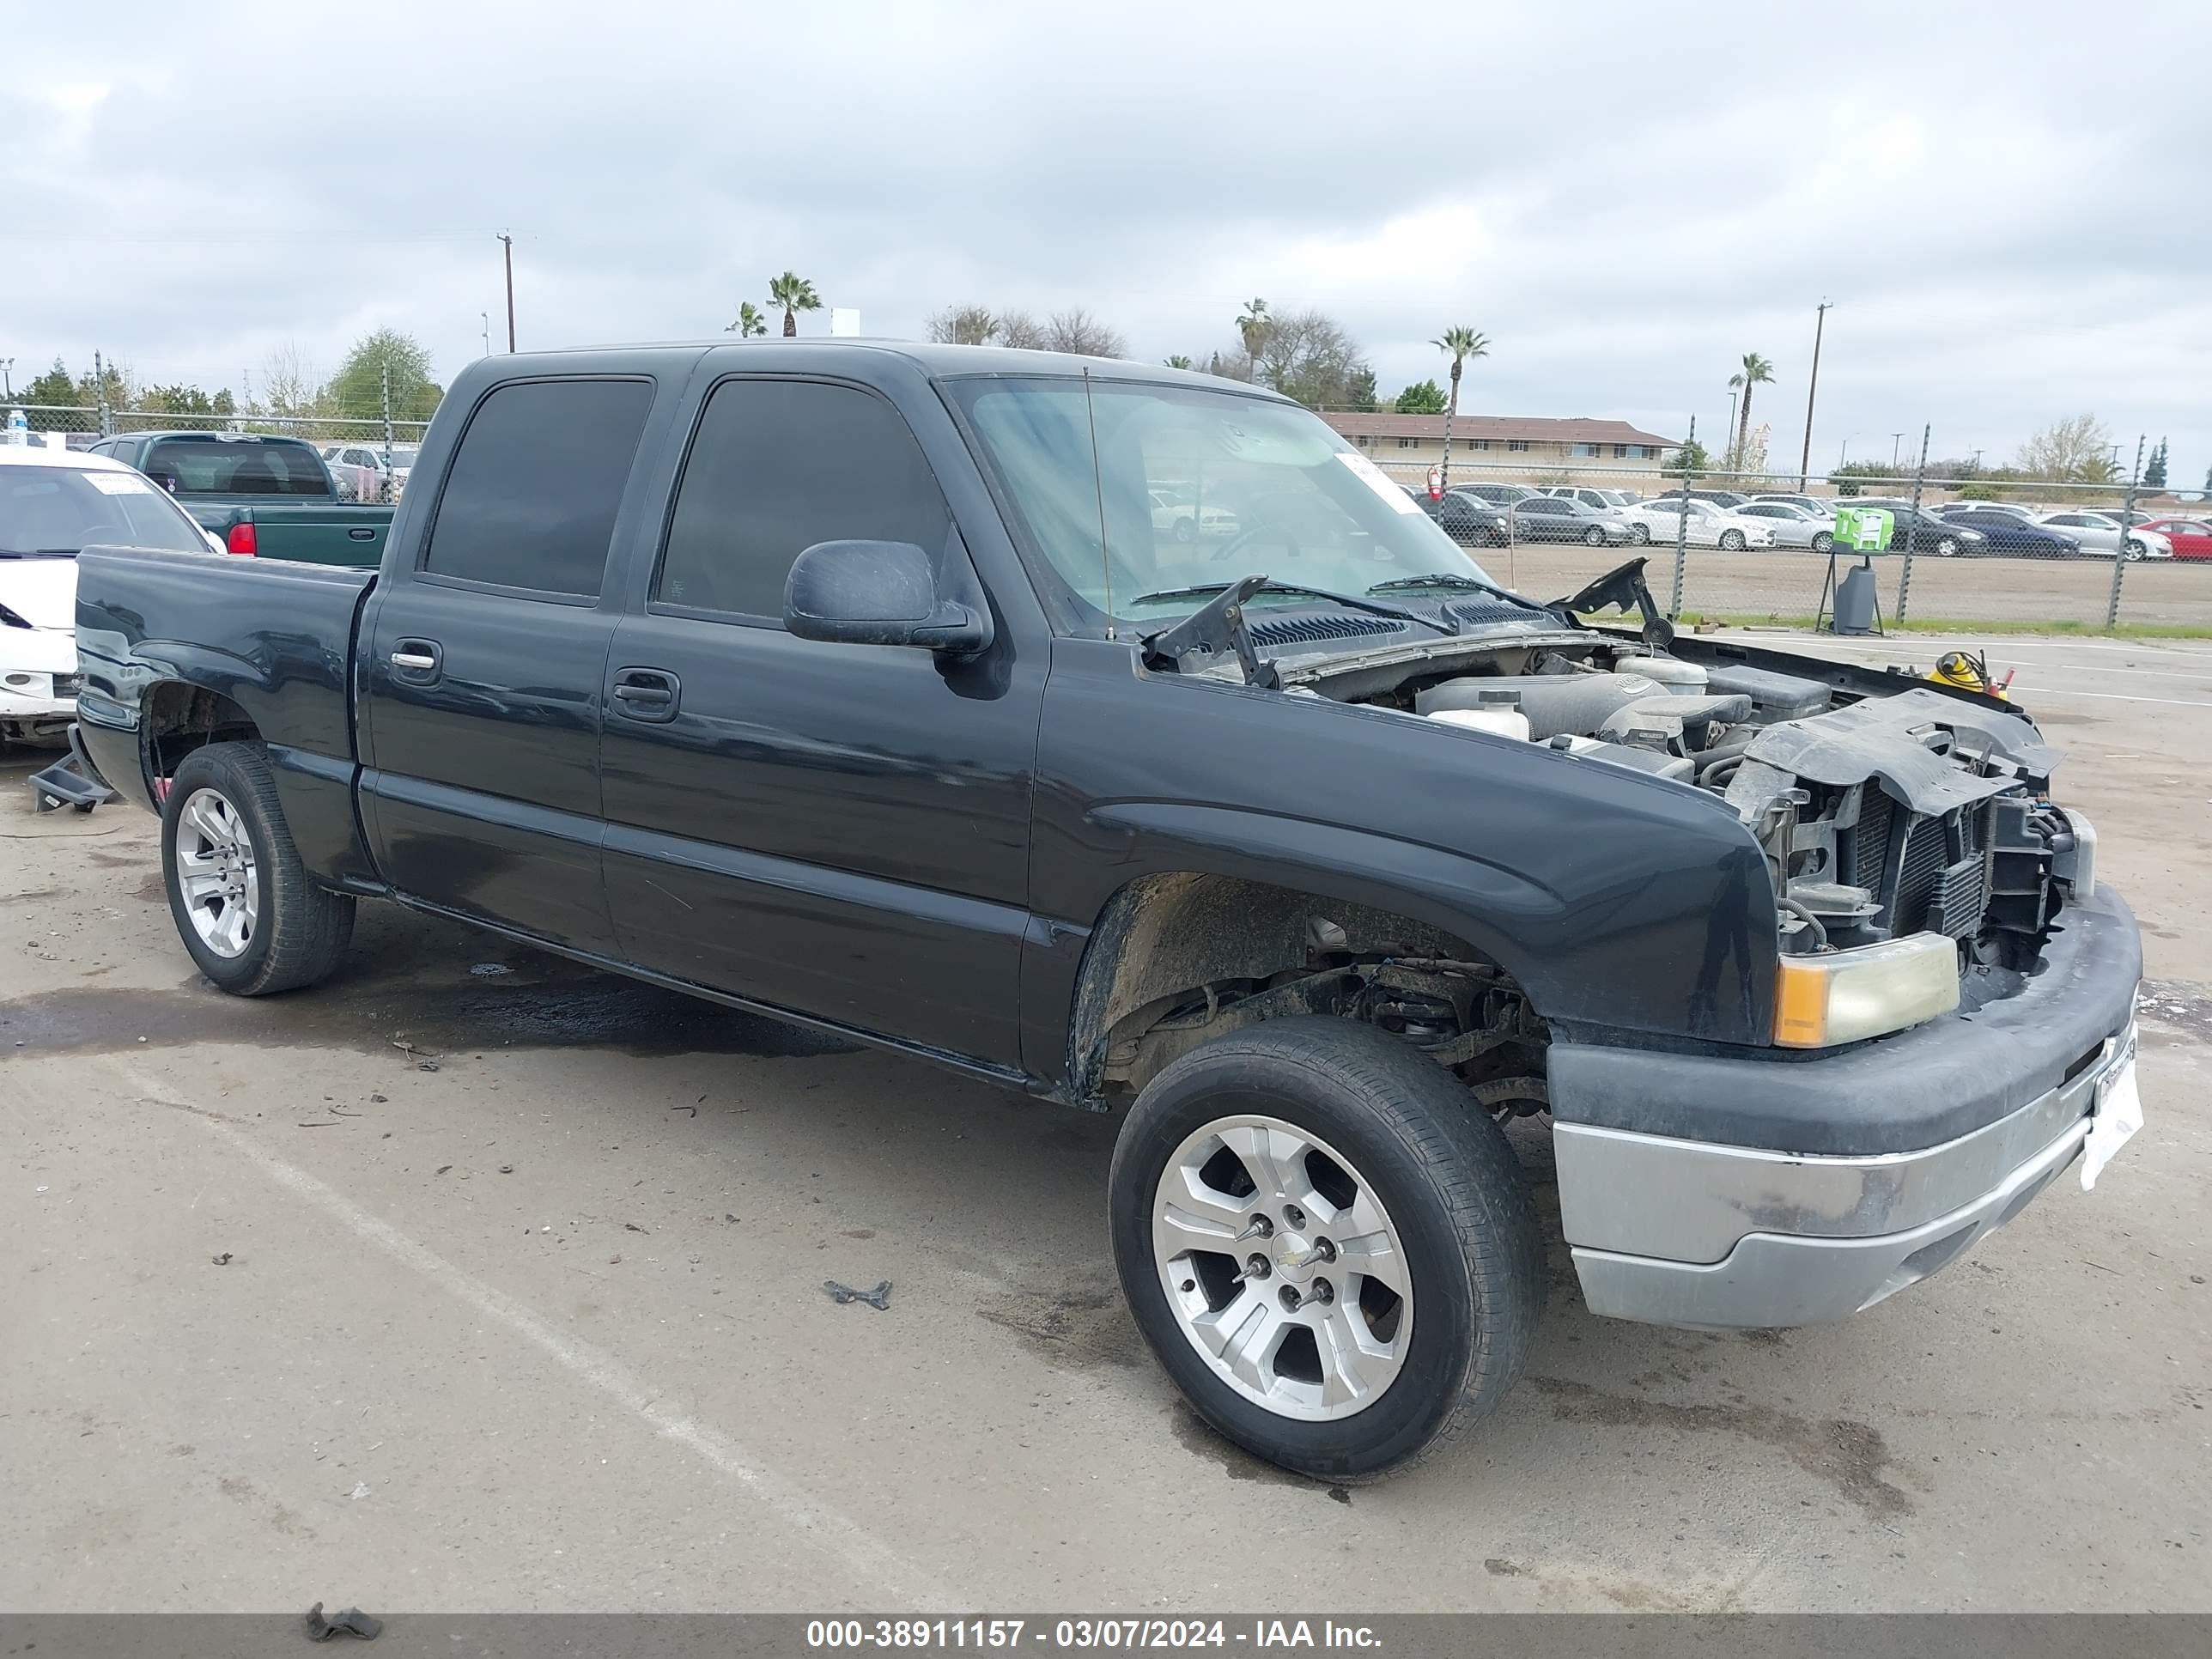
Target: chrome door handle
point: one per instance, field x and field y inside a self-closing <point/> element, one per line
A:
<point x="416" y="661"/>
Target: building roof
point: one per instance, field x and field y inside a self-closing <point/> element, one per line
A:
<point x="1531" y="429"/>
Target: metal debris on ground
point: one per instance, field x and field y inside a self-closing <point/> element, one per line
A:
<point x="488" y="969"/>
<point x="223" y="1261"/>
<point x="346" y="1621"/>
<point x="879" y="1299"/>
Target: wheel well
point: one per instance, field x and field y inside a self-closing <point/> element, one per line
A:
<point x="178" y="718"/>
<point x="1181" y="957"/>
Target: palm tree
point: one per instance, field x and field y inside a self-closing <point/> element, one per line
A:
<point x="794" y="294"/>
<point x="1180" y="361"/>
<point x="1252" y="324"/>
<point x="1757" y="371"/>
<point x="1459" y="344"/>
<point x="749" y="322"/>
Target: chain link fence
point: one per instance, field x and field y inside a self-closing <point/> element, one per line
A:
<point x="363" y="452"/>
<point x="1994" y="554"/>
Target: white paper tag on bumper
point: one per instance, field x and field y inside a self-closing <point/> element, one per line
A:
<point x="2119" y="1114"/>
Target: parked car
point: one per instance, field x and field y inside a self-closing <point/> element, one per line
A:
<point x="2010" y="509"/>
<point x="1928" y="531"/>
<point x="2099" y="533"/>
<point x="1793" y="526"/>
<point x="1468" y="520"/>
<point x="1662" y="520"/>
<point x="1820" y="506"/>
<point x="1605" y="500"/>
<point x="265" y="496"/>
<point x="1555" y="518"/>
<point x="2008" y="535"/>
<point x="1175" y="515"/>
<point x="2191" y="538"/>
<point x="1497" y="494"/>
<point x="1723" y="498"/>
<point x="811" y="677"/>
<point x="53" y="503"/>
<point x="388" y="480"/>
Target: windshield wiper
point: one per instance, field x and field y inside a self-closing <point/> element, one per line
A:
<point x="1397" y="584"/>
<point x="38" y="553"/>
<point x="1251" y="585"/>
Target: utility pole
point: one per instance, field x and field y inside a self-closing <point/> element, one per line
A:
<point x="506" y="242"/>
<point x="485" y="316"/>
<point x="1805" y="455"/>
<point x="7" y="377"/>
<point x="100" y="394"/>
<point x="1895" y="439"/>
<point x="1843" y="450"/>
<point x="1728" y="432"/>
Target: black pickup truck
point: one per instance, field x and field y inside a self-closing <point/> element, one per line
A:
<point x="859" y="684"/>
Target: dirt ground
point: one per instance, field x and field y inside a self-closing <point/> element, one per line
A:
<point x="472" y="1281"/>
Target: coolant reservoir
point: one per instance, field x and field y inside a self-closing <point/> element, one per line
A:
<point x="1670" y="671"/>
<point x="1505" y="721"/>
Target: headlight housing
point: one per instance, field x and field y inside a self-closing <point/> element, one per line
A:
<point x="1841" y="996"/>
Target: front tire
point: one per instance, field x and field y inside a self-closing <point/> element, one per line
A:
<point x="1732" y="541"/>
<point x="2136" y="552"/>
<point x="1399" y="1272"/>
<point x="1823" y="541"/>
<point x="1593" y="537"/>
<point x="251" y="917"/>
<point x="1946" y="547"/>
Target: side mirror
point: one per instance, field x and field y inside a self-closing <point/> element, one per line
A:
<point x="881" y="594"/>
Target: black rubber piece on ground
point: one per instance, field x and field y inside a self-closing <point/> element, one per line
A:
<point x="1453" y="1188"/>
<point x="303" y="926"/>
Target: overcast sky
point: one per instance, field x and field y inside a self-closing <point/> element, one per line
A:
<point x="2007" y="202"/>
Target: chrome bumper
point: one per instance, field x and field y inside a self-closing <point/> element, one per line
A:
<point x="1681" y="1232"/>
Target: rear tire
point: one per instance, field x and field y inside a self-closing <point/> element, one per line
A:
<point x="1344" y="1127"/>
<point x="1641" y="534"/>
<point x="253" y="918"/>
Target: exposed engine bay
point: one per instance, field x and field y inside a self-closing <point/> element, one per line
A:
<point x="1880" y="815"/>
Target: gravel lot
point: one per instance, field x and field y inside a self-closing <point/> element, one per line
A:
<point x="475" y="1281"/>
<point x="2158" y="593"/>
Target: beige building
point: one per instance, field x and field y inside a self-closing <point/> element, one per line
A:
<point x="1511" y="448"/>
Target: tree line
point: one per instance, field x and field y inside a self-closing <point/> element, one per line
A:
<point x="290" y="390"/>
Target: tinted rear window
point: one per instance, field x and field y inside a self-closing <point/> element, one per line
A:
<point x="192" y="466"/>
<point x="531" y="498"/>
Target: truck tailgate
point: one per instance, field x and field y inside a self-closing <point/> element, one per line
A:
<point x="340" y="533"/>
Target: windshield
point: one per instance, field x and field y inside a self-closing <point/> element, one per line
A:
<point x="1256" y="487"/>
<point x="202" y="466"/>
<point x="55" y="510"/>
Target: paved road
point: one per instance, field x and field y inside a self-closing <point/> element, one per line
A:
<point x="542" y="1326"/>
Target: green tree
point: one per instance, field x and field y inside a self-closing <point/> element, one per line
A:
<point x="2076" y="450"/>
<point x="1359" y="390"/>
<point x="2153" y="476"/>
<point x="1252" y="329"/>
<point x="1690" y="461"/>
<point x="57" y="388"/>
<point x="356" y="390"/>
<point x="1757" y="371"/>
<point x="794" y="294"/>
<point x="1422" y="398"/>
<point x="750" y="324"/>
<point x="1459" y="344"/>
<point x="1178" y="361"/>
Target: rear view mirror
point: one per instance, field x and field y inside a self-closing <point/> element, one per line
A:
<point x="880" y="593"/>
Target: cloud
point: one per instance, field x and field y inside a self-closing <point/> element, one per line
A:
<point x="1624" y="207"/>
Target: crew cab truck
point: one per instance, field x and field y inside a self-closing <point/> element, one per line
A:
<point x="271" y="497"/>
<point x="856" y="684"/>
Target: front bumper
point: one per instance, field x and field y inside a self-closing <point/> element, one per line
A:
<point x="1777" y="1193"/>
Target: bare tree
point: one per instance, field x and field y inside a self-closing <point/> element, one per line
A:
<point x="1021" y="330"/>
<point x="1079" y="331"/>
<point x="2077" y="451"/>
<point x="963" y="326"/>
<point x="289" y="384"/>
<point x="1310" y="356"/>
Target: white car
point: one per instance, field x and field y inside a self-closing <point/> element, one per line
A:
<point x="364" y="463"/>
<point x="1794" y="526"/>
<point x="1708" y="525"/>
<point x="2100" y="531"/>
<point x="52" y="503"/>
<point x="1185" y="521"/>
